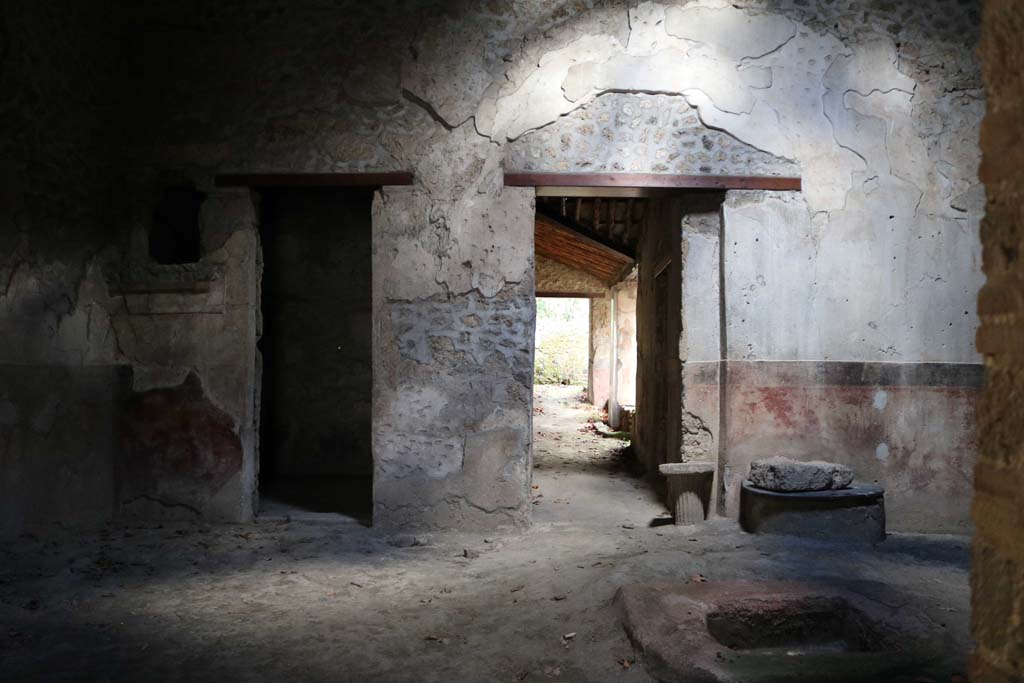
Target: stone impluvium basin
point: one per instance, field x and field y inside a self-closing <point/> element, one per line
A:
<point x="755" y="632"/>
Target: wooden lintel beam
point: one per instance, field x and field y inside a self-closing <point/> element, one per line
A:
<point x="662" y="181"/>
<point x="268" y="180"/>
<point x="570" y="295"/>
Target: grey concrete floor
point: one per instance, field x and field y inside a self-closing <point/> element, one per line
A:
<point x="309" y="600"/>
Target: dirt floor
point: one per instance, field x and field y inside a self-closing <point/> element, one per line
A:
<point x="291" y="598"/>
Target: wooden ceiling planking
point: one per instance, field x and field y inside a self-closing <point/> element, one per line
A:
<point x="571" y="248"/>
<point x="615" y="222"/>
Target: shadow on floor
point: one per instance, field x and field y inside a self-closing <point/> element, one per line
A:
<point x="316" y="497"/>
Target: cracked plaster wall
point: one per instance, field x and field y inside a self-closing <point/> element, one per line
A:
<point x="875" y="103"/>
<point x="59" y="382"/>
<point x="879" y="118"/>
<point x="453" y="360"/>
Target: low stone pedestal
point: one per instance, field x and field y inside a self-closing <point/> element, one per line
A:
<point x="856" y="513"/>
<point x="689" y="489"/>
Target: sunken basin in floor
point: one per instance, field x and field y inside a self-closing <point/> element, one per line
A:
<point x="754" y="632"/>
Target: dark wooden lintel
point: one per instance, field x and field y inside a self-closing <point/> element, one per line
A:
<point x="313" y="179"/>
<point x="653" y="180"/>
<point x="571" y="295"/>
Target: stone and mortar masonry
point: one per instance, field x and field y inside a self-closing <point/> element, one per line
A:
<point x="453" y="360"/>
<point x="997" y="574"/>
<point x="875" y="103"/>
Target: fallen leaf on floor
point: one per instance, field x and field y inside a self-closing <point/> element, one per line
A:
<point x="517" y="589"/>
<point x="569" y="636"/>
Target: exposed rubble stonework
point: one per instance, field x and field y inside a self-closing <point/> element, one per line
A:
<point x="619" y="133"/>
<point x="453" y="361"/>
<point x="875" y="105"/>
<point x="997" y="568"/>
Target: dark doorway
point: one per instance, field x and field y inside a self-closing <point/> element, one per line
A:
<point x="315" y="408"/>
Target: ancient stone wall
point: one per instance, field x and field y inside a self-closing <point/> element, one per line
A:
<point x="997" y="573"/>
<point x="453" y="361"/>
<point x="60" y="384"/>
<point x="700" y="341"/>
<point x="874" y="104"/>
<point x="189" y="333"/>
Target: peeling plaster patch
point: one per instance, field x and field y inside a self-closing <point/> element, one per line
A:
<point x="450" y="248"/>
<point x="729" y="34"/>
<point x="881" y="399"/>
<point x="674" y="72"/>
<point x="882" y="452"/>
<point x="538" y="99"/>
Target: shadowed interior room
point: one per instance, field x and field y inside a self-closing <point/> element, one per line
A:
<point x="527" y="340"/>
